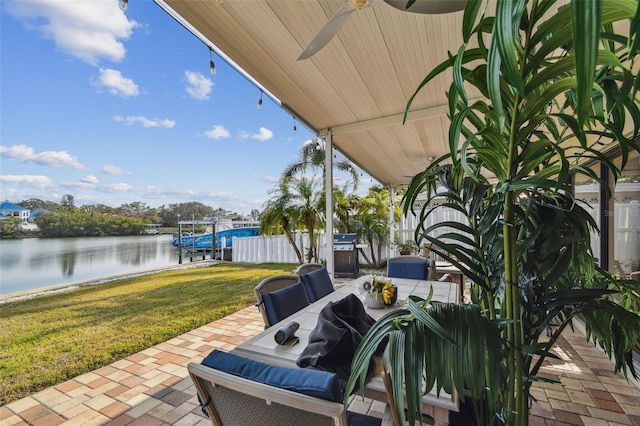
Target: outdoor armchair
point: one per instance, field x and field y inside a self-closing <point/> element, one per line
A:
<point x="270" y="285"/>
<point x="308" y="267"/>
<point x="407" y="266"/>
<point x="282" y="303"/>
<point x="237" y="391"/>
<point x="317" y="284"/>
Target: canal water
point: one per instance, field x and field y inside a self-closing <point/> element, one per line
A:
<point x="34" y="263"/>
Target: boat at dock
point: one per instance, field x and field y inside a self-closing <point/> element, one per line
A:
<point x="204" y="241"/>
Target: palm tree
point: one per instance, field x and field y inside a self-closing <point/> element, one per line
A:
<point x="346" y="204"/>
<point x="558" y="85"/>
<point x="296" y="205"/>
<point x="276" y="217"/>
<point x="372" y="221"/>
<point x="309" y="211"/>
<point x="312" y="155"/>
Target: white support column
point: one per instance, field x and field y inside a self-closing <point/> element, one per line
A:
<point x="392" y="224"/>
<point x="328" y="168"/>
<point x="632" y="247"/>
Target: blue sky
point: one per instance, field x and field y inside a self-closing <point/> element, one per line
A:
<point x="114" y="107"/>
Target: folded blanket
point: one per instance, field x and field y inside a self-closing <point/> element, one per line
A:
<point x="333" y="342"/>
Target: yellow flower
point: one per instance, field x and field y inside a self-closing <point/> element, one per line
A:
<point x="385" y="288"/>
<point x="387" y="293"/>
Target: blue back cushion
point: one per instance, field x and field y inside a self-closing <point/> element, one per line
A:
<point x="284" y="302"/>
<point x="316" y="383"/>
<point x="317" y="284"/>
<point x="416" y="270"/>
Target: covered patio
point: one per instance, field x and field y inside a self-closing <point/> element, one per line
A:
<point x="352" y="89"/>
<point x="352" y="93"/>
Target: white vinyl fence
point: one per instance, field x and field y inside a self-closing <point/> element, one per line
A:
<point x="264" y="249"/>
<point x="277" y="249"/>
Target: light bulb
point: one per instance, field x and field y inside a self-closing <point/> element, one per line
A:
<point x="260" y="101"/>
<point x="123" y="5"/>
<point x="212" y="65"/>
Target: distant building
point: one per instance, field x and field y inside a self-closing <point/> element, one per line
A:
<point x="36" y="212"/>
<point x="8" y="209"/>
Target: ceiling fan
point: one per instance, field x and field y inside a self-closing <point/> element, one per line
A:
<point x="341" y="14"/>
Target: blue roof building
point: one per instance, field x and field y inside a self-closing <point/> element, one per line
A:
<point x="8" y="209"/>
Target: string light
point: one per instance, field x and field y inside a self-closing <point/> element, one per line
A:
<point x="212" y="65"/>
<point x="123" y="5"/>
<point x="295" y="129"/>
<point x="260" y="101"/>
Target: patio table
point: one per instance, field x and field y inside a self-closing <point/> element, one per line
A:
<point x="264" y="348"/>
<point x="443" y="267"/>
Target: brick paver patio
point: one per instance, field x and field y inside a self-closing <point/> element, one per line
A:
<point x="153" y="387"/>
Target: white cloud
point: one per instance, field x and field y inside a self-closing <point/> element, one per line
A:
<point x="37" y="181"/>
<point x="108" y="188"/>
<point x="152" y="192"/>
<point x="24" y="153"/>
<point x="217" y="132"/>
<point x="112" y="170"/>
<point x="146" y="122"/>
<point x="87" y="30"/>
<point x="76" y="185"/>
<point x="116" y="84"/>
<point x="263" y="134"/>
<point x="198" y="86"/>
<point x="116" y="187"/>
<point x="91" y="179"/>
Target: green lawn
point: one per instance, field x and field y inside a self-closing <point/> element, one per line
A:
<point x="52" y="338"/>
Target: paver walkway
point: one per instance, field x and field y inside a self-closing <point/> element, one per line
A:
<point x="153" y="387"/>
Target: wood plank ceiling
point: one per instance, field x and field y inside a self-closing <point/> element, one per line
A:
<point x="357" y="86"/>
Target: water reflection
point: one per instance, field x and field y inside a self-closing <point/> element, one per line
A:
<point x="68" y="264"/>
<point x="35" y="263"/>
<point x="136" y="254"/>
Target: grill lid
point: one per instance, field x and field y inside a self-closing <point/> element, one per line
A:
<point x="345" y="238"/>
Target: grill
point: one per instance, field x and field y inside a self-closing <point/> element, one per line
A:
<point x="345" y="255"/>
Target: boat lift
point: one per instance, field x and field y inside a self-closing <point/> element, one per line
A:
<point x="192" y="251"/>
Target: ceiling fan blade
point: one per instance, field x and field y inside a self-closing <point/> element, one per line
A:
<point x="430" y="7"/>
<point x="330" y="29"/>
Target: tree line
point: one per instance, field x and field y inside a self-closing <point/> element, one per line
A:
<point x="65" y="219"/>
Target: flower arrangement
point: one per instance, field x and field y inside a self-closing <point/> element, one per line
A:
<point x="383" y="287"/>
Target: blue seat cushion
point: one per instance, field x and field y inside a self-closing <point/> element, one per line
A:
<point x="315" y="383"/>
<point x="284" y="302"/>
<point x="416" y="270"/>
<point x="317" y="284"/>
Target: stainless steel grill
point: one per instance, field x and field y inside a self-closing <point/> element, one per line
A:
<point x="345" y="255"/>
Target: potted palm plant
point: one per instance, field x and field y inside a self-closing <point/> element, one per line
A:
<point x="407" y="247"/>
<point x="558" y="84"/>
